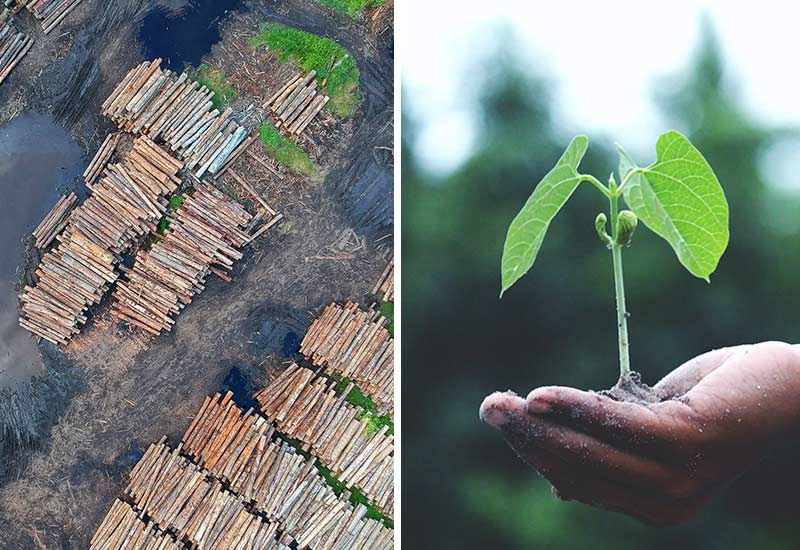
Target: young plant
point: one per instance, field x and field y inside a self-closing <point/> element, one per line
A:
<point x="678" y="197"/>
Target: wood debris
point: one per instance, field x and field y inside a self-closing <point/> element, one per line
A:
<point x="240" y="448"/>
<point x="296" y="104"/>
<point x="13" y="44"/>
<point x="352" y="342"/>
<point x="305" y="407"/>
<point x="385" y="286"/>
<point x="123" y="528"/>
<point x="54" y="221"/>
<point x="124" y="204"/>
<point x="204" y="236"/>
<point x="176" y="110"/>
<point x="49" y="12"/>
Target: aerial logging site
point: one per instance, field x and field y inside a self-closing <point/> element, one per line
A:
<point x="200" y="320"/>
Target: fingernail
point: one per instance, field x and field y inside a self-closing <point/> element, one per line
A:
<point x="494" y="416"/>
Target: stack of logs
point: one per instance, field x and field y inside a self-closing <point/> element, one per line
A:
<point x="49" y="12"/>
<point x="101" y="158"/>
<point x="54" y="221"/>
<point x="123" y="528"/>
<point x="13" y="45"/>
<point x="385" y="286"/>
<point x="354" y="343"/>
<point x="178" y="496"/>
<point x="296" y="104"/>
<point x="176" y="110"/>
<point x="204" y="236"/>
<point x="240" y="449"/>
<point x="127" y="202"/>
<point x="306" y="408"/>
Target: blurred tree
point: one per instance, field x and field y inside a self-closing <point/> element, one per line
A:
<point x="461" y="486"/>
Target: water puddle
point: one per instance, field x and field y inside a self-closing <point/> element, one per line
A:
<point x="38" y="160"/>
<point x="184" y="34"/>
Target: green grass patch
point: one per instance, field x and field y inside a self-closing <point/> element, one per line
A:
<point x="176" y="202"/>
<point x="214" y="80"/>
<point x="309" y="52"/>
<point x="387" y="310"/>
<point x="286" y="152"/>
<point x="163" y="225"/>
<point x="356" y="397"/>
<point x="351" y="7"/>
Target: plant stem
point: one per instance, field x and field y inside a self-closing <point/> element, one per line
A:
<point x="619" y="287"/>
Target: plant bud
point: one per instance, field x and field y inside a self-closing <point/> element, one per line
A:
<point x="626" y="225"/>
<point x="600" y="227"/>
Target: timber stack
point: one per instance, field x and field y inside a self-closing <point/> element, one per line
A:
<point x="54" y="221"/>
<point x="14" y="45"/>
<point x="204" y="236"/>
<point x="241" y="449"/>
<point x="123" y="528"/>
<point x="126" y="203"/>
<point x="175" y="110"/>
<point x="102" y="157"/>
<point x="296" y="104"/>
<point x="354" y="343"/>
<point x="385" y="286"/>
<point x="49" y="12"/>
<point x="305" y="407"/>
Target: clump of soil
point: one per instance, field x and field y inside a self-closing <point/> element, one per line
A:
<point x="632" y="390"/>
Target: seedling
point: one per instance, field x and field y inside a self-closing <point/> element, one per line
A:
<point x="678" y="197"/>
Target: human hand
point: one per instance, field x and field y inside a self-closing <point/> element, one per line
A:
<point x="717" y="415"/>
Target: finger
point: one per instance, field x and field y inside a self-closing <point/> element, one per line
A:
<point x="651" y="429"/>
<point x="688" y="375"/>
<point x="596" y="491"/>
<point x="582" y="454"/>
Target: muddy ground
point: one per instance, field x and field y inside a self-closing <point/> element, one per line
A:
<point x="113" y="391"/>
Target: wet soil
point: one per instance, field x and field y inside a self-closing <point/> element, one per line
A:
<point x="113" y="391"/>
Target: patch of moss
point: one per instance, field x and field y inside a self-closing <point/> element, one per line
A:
<point x="163" y="225"/>
<point x="214" y="80"/>
<point x="387" y="310"/>
<point x="351" y="7"/>
<point x="337" y="72"/>
<point x="176" y="202"/>
<point x="286" y="152"/>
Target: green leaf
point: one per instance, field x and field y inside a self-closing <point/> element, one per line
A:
<point x="681" y="200"/>
<point x="526" y="233"/>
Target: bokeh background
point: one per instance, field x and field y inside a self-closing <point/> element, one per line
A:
<point x="471" y="156"/>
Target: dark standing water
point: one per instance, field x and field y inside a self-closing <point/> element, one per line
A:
<point x="38" y="158"/>
<point x="183" y="35"/>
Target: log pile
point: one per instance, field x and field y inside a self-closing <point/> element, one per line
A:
<point x="176" y="110"/>
<point x="49" y="12"/>
<point x="177" y="495"/>
<point x="126" y="203"/>
<point x="306" y="408"/>
<point x="239" y="449"/>
<point x="101" y="157"/>
<point x="54" y="221"/>
<point x="203" y="237"/>
<point x="123" y="528"/>
<point x="13" y="45"/>
<point x="354" y="343"/>
<point x="296" y="104"/>
<point x="385" y="286"/>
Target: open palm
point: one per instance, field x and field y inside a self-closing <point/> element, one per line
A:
<point x="716" y="416"/>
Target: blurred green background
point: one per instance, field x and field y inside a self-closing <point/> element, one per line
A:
<point x="462" y="487"/>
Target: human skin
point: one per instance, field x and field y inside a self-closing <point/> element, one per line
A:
<point x="717" y="416"/>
